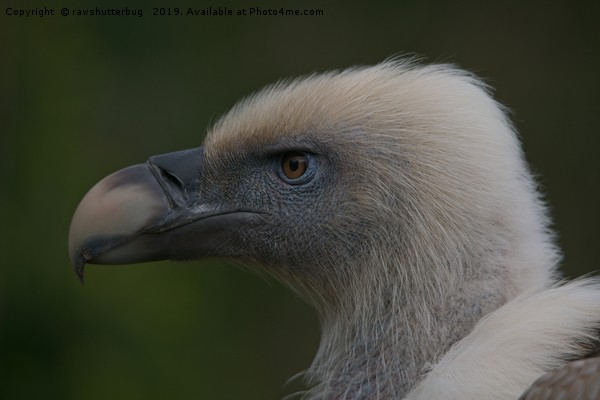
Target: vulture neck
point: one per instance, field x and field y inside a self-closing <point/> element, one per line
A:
<point x="380" y="339"/>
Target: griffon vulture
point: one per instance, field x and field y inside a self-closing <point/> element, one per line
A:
<point x="395" y="199"/>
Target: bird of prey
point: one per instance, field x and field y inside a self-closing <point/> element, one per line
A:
<point x="396" y="200"/>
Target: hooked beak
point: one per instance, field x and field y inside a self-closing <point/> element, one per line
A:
<point x="154" y="211"/>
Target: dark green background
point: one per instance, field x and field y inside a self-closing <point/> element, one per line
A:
<point x="82" y="97"/>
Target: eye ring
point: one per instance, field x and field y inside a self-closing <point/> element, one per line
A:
<point x="294" y="165"/>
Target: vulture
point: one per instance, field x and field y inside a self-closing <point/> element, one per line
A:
<point x="395" y="199"/>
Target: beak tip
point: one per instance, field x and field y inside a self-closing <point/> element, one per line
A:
<point x="79" y="272"/>
<point x="78" y="261"/>
<point x="117" y="207"/>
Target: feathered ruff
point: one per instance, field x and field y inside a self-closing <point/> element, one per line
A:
<point x="511" y="347"/>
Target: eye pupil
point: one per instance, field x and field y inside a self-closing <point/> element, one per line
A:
<point x="294" y="165"/>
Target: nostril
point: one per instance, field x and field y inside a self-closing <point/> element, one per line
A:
<point x="178" y="173"/>
<point x="171" y="185"/>
<point x="172" y="178"/>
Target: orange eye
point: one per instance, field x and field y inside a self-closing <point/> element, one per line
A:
<point x="294" y="165"/>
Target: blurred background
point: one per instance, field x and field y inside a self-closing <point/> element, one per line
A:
<point x="81" y="97"/>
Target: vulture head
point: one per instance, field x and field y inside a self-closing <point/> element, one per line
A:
<point x="393" y="198"/>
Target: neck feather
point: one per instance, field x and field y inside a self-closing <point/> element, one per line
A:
<point x="378" y="341"/>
